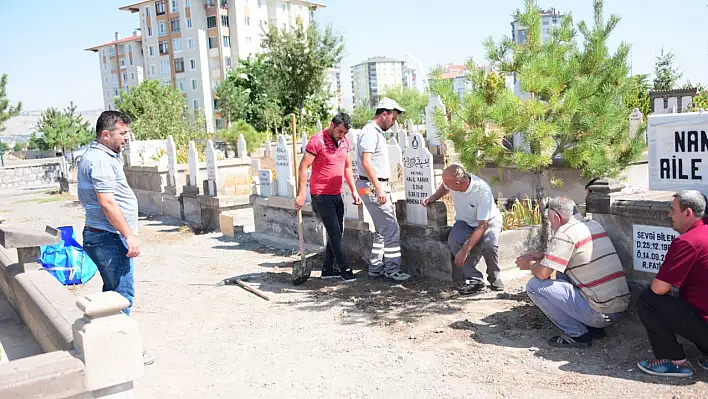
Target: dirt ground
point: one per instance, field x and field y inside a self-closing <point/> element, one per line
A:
<point x="367" y="339"/>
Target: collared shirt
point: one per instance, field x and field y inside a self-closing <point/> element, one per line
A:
<point x="686" y="267"/>
<point x="583" y="251"/>
<point x="372" y="139"/>
<point x="101" y="171"/>
<point x="328" y="167"/>
<point x="476" y="203"/>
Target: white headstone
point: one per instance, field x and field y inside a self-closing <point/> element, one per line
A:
<point x="658" y="105"/>
<point x="402" y="139"/>
<point x="351" y="211"/>
<point x="393" y="141"/>
<point x="395" y="156"/>
<point x="303" y="142"/>
<point x="678" y="152"/>
<point x="242" y="152"/>
<point x="64" y="168"/>
<point x="635" y="120"/>
<point x="265" y="181"/>
<point x="410" y="127"/>
<point x="319" y="126"/>
<point x="212" y="171"/>
<point x="192" y="161"/>
<point x="284" y="168"/>
<point x="672" y="102"/>
<point x="171" y="162"/>
<point x="267" y="149"/>
<point x="434" y="103"/>
<point x="419" y="179"/>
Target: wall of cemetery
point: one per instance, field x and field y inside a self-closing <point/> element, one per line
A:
<point x="13" y="176"/>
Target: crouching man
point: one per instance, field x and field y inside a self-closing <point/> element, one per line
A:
<point x="685" y="267"/>
<point x="590" y="291"/>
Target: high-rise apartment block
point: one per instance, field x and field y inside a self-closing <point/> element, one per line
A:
<point x="371" y="78"/>
<point x="192" y="44"/>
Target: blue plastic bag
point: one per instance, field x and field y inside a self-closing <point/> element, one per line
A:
<point x="67" y="261"/>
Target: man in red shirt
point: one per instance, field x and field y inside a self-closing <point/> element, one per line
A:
<point x="685" y="267"/>
<point x="328" y="154"/>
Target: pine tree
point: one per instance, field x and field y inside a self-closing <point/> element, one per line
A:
<point x="665" y="74"/>
<point x="7" y="111"/>
<point x="574" y="104"/>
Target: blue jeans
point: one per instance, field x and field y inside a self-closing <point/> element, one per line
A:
<point x="566" y="306"/>
<point x="111" y="257"/>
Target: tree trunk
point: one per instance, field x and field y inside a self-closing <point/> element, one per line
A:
<point x="540" y="201"/>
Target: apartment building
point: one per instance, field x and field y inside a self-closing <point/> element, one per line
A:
<point x="333" y="85"/>
<point x="371" y="78"/>
<point x="122" y="66"/>
<point x="192" y="44"/>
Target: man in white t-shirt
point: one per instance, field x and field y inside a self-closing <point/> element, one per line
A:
<point x="478" y="224"/>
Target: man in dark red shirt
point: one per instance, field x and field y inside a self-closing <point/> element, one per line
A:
<point x="685" y="267"/>
<point x="328" y="154"/>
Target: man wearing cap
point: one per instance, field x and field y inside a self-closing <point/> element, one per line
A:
<point x="375" y="191"/>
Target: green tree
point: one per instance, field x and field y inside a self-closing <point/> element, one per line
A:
<point x="640" y="97"/>
<point x="411" y="99"/>
<point x="254" y="138"/>
<point x="574" y="107"/>
<point x="7" y="111"/>
<point x="62" y="130"/>
<point x="19" y="146"/>
<point x="297" y="62"/>
<point x="159" y="111"/>
<point x="363" y="113"/>
<point x="249" y="93"/>
<point x="665" y="74"/>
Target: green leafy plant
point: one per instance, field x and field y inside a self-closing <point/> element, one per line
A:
<point x="254" y="138"/>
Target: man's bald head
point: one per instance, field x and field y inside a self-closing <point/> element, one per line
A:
<point x="456" y="178"/>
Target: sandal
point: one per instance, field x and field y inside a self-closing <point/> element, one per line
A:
<point x="565" y="341"/>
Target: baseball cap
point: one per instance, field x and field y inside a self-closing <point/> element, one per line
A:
<point x="388" y="103"/>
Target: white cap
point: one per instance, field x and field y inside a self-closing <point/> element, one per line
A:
<point x="388" y="103"/>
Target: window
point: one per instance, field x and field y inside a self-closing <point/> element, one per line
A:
<point x="147" y="11"/>
<point x="115" y="78"/>
<point x="190" y="43"/>
<point x="195" y="85"/>
<point x="225" y="20"/>
<point x="153" y="70"/>
<point x="226" y="40"/>
<point x="164" y="47"/>
<point x="151" y="51"/>
<point x="187" y="3"/>
<point x="112" y="51"/>
<point x="105" y="80"/>
<point x="130" y="48"/>
<point x="228" y="62"/>
<point x="179" y="65"/>
<point x="247" y="21"/>
<point x="213" y="43"/>
<point x="180" y="84"/>
<point x="189" y="23"/>
<point x="195" y="104"/>
<point x="115" y="92"/>
<point x="160" y="7"/>
<point x="177" y="45"/>
<point x="108" y="93"/>
<point x="124" y="76"/>
<point x="174" y="22"/>
<point x="105" y="66"/>
<point x="174" y="6"/>
<point x="211" y="22"/>
<point x="165" y="67"/>
<point x="149" y="30"/>
<point x="130" y="61"/>
<point x="192" y="64"/>
<point x="248" y="41"/>
<point x="161" y="28"/>
<point x="132" y="76"/>
<point x="105" y="52"/>
<point x="122" y="62"/>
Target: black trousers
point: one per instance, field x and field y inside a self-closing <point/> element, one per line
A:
<point x="330" y="209"/>
<point x="665" y="317"/>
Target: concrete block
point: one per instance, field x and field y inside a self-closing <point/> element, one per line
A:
<point x="192" y="209"/>
<point x="172" y="206"/>
<point x="226" y="225"/>
<point x="107" y="339"/>
<point x="190" y="191"/>
<point x="22" y="237"/>
<point x="51" y="375"/>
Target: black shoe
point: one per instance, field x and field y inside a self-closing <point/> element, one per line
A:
<point x="472" y="287"/>
<point x="597" y="333"/>
<point x="328" y="274"/>
<point x="497" y="285"/>
<point x="347" y="275"/>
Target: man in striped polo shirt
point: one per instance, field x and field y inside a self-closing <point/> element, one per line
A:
<point x="590" y="291"/>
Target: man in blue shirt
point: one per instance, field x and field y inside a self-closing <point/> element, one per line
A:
<point x="111" y="207"/>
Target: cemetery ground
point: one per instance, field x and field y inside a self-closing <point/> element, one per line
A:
<point x="368" y="339"/>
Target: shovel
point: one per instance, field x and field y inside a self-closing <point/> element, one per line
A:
<point x="301" y="269"/>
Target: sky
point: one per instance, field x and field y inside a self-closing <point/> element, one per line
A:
<point x="43" y="42"/>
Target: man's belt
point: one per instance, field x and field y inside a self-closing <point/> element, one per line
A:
<point x="367" y="179"/>
<point x="94" y="230"/>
